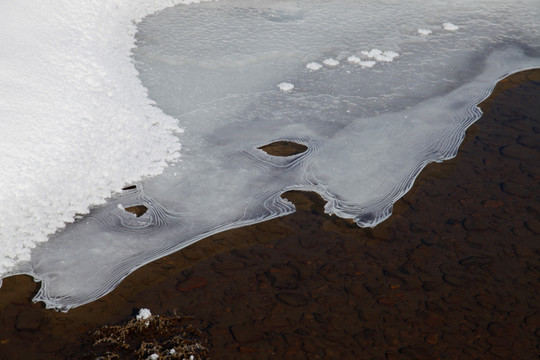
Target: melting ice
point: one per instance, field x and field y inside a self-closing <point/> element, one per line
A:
<point x="374" y="90"/>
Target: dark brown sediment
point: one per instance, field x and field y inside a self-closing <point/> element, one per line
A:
<point x="454" y="273"/>
<point x="284" y="148"/>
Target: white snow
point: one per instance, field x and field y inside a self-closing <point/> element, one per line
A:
<point x="314" y="66"/>
<point x="153" y="357"/>
<point x="76" y="122"/>
<point x="449" y="26"/>
<point x="424" y="31"/>
<point x="285" y="86"/>
<point x="330" y="62"/>
<point x="143" y="314"/>
<point x="379" y="55"/>
<point x="358" y="61"/>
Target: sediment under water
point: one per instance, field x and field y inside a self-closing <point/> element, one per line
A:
<point x="453" y="273"/>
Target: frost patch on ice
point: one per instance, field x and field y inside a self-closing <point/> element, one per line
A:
<point x="424" y="32"/>
<point x="314" y="66"/>
<point x="285" y="87"/>
<point x="449" y="26"/>
<point x="358" y="61"/>
<point x="379" y="55"/>
<point x="331" y="62"/>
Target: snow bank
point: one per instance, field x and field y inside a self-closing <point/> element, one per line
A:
<point x="76" y="122"/>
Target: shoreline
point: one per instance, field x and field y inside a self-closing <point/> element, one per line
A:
<point x="453" y="273"/>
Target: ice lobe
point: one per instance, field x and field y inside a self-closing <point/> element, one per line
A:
<point x="368" y="131"/>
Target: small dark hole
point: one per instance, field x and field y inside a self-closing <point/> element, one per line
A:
<point x="138" y="210"/>
<point x="283" y="148"/>
<point x="130" y="187"/>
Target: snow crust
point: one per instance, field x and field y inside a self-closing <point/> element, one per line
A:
<point x="314" y="66"/>
<point x="424" y="31"/>
<point x="364" y="63"/>
<point x="285" y="87"/>
<point x="331" y="62"/>
<point x="449" y="26"/>
<point x="370" y="123"/>
<point x="77" y="124"/>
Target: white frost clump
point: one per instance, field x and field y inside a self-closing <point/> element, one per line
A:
<point x="153" y="357"/>
<point x="449" y="26"/>
<point x="74" y="115"/>
<point x="379" y="55"/>
<point x="285" y="87"/>
<point x="330" y="62"/>
<point x="143" y="314"/>
<point x="424" y="31"/>
<point x="172" y="351"/>
<point x="313" y="66"/>
<point x="363" y="63"/>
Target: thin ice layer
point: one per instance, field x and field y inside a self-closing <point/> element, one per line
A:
<point x="216" y="67"/>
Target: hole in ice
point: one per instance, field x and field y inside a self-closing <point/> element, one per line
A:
<point x="131" y="187"/>
<point x="283" y="148"/>
<point x="138" y="210"/>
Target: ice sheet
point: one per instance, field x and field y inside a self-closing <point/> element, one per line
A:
<point x="219" y="69"/>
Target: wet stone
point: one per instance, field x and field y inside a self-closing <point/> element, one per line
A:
<point x="285" y="277"/>
<point x="456" y="279"/>
<point x="476" y="224"/>
<point x="246" y="333"/>
<point x="533" y="225"/>
<point x="417" y="353"/>
<point x="501" y="351"/>
<point x="432" y="339"/>
<point x="28" y="320"/>
<point x="529" y="141"/>
<point x="478" y="261"/>
<point x="293" y="299"/>
<point x="228" y="266"/>
<point x="515" y="189"/>
<point x="191" y="283"/>
<point x="518" y="152"/>
<point x="52" y="345"/>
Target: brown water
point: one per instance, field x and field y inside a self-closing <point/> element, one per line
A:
<point x="453" y="274"/>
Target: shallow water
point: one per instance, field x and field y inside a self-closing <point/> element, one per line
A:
<point x="452" y="274"/>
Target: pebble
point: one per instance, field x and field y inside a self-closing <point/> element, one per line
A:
<point x="245" y="333"/>
<point x="28" y="320"/>
<point x="191" y="283"/>
<point x="292" y="299"/>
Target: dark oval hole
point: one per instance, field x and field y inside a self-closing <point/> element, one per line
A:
<point x="283" y="148"/>
<point x="131" y="187"/>
<point x="138" y="210"/>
